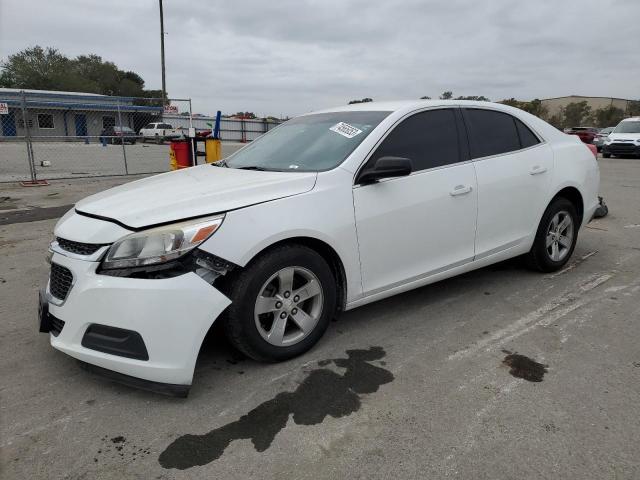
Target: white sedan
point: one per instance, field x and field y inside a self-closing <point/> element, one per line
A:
<point x="330" y="211"/>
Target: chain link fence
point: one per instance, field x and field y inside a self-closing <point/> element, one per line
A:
<point x="48" y="135"/>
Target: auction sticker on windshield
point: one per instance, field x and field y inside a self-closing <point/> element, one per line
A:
<point x="345" y="130"/>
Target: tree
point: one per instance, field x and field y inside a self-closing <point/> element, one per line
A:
<point x="608" y="116"/>
<point x="448" y="95"/>
<point x="633" y="108"/>
<point x="477" y="98"/>
<point x="576" y="114"/>
<point x="47" y="69"/>
<point x="364" y="100"/>
<point x="425" y="98"/>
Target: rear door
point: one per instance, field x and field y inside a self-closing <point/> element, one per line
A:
<point x="514" y="170"/>
<point x="414" y="226"/>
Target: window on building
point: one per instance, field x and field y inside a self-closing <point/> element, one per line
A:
<point x="45" y="120"/>
<point x="108" y="121"/>
<point x="429" y="139"/>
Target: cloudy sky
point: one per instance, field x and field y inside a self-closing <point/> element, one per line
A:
<point x="292" y="56"/>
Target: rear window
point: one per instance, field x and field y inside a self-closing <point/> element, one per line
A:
<point x="491" y="133"/>
<point x="527" y="137"/>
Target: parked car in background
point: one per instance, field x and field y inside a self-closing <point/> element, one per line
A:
<point x="328" y="212"/>
<point x="601" y="136"/>
<point x="117" y="134"/>
<point x="624" y="140"/>
<point x="159" y="132"/>
<point x="586" y="134"/>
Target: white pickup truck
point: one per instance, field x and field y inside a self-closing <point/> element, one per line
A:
<point x="159" y="132"/>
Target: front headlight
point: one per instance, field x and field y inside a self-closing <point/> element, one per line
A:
<point x="160" y="244"/>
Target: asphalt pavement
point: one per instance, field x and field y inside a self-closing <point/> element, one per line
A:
<point x="501" y="373"/>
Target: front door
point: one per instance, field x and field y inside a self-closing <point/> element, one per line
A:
<point x="81" y="125"/>
<point x="422" y="224"/>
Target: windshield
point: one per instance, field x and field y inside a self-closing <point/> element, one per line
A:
<point x="309" y="143"/>
<point x="628" y="127"/>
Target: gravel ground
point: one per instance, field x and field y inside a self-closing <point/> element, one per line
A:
<point x="75" y="159"/>
<point x="499" y="373"/>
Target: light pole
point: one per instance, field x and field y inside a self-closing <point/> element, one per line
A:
<point x="164" y="85"/>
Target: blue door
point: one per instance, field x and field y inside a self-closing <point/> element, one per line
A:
<point x="81" y="125"/>
<point x="8" y="124"/>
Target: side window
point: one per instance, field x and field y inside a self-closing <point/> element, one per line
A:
<point x="45" y="121"/>
<point x="149" y="126"/>
<point x="491" y="132"/>
<point x="429" y="139"/>
<point x="527" y="138"/>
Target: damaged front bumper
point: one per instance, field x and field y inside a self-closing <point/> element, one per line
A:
<point x="142" y="329"/>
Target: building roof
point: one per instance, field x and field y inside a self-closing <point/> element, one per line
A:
<point x="50" y="92"/>
<point x="72" y="100"/>
<point x="584" y="96"/>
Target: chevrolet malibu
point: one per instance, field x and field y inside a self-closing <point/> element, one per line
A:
<point x="330" y="211"/>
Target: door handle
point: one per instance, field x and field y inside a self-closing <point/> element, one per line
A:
<point x="537" y="170"/>
<point x="460" y="190"/>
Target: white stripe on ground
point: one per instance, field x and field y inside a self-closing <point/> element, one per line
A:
<point x="545" y="315"/>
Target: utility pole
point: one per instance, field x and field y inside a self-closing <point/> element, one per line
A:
<point x="164" y="85"/>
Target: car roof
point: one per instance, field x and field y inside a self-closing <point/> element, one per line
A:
<point x="409" y="105"/>
<point x="631" y="119"/>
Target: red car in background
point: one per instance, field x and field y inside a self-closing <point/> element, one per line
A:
<point x="586" y="134"/>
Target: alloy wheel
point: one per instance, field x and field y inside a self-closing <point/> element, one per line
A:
<point x="559" y="236"/>
<point x="288" y="306"/>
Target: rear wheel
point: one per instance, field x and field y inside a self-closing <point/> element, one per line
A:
<point x="282" y="303"/>
<point x="556" y="237"/>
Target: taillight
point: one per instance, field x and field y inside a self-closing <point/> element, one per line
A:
<point x="593" y="149"/>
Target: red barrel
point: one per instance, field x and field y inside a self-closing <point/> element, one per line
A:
<point x="182" y="151"/>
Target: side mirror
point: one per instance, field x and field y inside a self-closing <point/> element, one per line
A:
<point x="385" y="167"/>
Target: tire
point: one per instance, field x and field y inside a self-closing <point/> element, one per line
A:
<point x="606" y="155"/>
<point x="257" y="334"/>
<point x="549" y="258"/>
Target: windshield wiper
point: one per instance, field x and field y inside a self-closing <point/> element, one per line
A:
<point x="253" y="167"/>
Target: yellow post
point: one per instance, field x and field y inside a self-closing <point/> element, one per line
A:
<point x="212" y="150"/>
<point x="173" y="164"/>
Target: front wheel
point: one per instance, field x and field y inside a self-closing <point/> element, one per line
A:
<point x="282" y="303"/>
<point x="556" y="237"/>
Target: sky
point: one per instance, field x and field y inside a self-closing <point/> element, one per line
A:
<point x="287" y="57"/>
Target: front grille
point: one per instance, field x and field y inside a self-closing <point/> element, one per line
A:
<point x="56" y="325"/>
<point x="60" y="281"/>
<point x="622" y="148"/>
<point x="79" y="248"/>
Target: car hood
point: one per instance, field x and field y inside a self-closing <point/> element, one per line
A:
<point x="621" y="137"/>
<point x="192" y="192"/>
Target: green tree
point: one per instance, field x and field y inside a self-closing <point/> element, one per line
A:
<point x="608" y="116"/>
<point x="633" y="108"/>
<point x="425" y="98"/>
<point x="448" y="95"/>
<point x="477" y="98"/>
<point x="364" y="100"/>
<point x="47" y="69"/>
<point x="576" y="114"/>
<point x="37" y="68"/>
